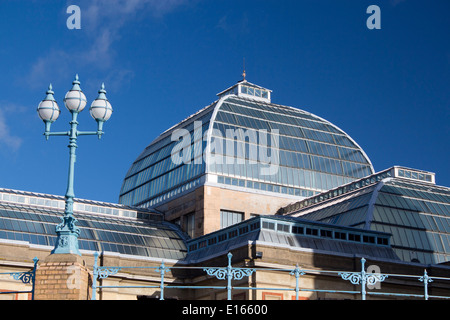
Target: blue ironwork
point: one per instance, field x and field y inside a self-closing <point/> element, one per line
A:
<point x="425" y="279"/>
<point x="27" y="277"/>
<point x="102" y="273"/>
<point x="67" y="231"/>
<point x="297" y="272"/>
<point x="363" y="277"/>
<point x="229" y="273"/>
<point x="162" y="270"/>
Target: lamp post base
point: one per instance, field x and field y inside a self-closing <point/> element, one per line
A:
<point x="67" y="232"/>
<point x="66" y="243"/>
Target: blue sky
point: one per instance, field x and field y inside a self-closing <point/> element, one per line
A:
<point x="161" y="61"/>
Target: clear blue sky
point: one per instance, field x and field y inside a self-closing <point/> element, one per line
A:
<point x="161" y="61"/>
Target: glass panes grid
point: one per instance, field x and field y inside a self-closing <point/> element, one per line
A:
<point x="417" y="216"/>
<point x="287" y="225"/>
<point x="257" y="92"/>
<point x="59" y="203"/>
<point x="312" y="153"/>
<point x="154" y="174"/>
<point x="135" y="237"/>
<point x="412" y="174"/>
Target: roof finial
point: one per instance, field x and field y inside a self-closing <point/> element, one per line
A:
<point x="243" y="73"/>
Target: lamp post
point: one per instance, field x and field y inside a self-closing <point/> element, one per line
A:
<point x="48" y="110"/>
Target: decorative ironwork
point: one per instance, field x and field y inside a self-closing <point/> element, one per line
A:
<point x="426" y="280"/>
<point x="229" y="273"/>
<point x="219" y="273"/>
<point x="363" y="278"/>
<point x="356" y="277"/>
<point x="353" y="277"/>
<point x="297" y="272"/>
<point x="162" y="270"/>
<point x="75" y="101"/>
<point x="239" y="273"/>
<point x="105" y="272"/>
<point x="25" y="277"/>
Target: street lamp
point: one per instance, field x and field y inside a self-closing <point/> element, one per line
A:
<point x="48" y="111"/>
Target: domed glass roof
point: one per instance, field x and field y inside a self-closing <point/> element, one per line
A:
<point x="243" y="140"/>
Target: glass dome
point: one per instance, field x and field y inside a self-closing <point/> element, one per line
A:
<point x="248" y="142"/>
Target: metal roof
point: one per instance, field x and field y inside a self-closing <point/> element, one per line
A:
<point x="414" y="210"/>
<point x="24" y="218"/>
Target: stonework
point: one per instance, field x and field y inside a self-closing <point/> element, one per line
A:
<point x="207" y="201"/>
<point x="62" y="277"/>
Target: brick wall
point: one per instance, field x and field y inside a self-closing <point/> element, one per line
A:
<point x="62" y="277"/>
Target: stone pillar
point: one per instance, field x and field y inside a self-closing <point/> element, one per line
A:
<point x="62" y="277"/>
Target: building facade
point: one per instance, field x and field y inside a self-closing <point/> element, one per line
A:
<point x="291" y="196"/>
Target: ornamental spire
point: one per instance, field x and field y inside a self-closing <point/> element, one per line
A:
<point x="243" y="73"/>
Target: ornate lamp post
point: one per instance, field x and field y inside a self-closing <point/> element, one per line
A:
<point x="48" y="110"/>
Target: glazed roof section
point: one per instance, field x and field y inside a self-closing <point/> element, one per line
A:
<point x="312" y="155"/>
<point x="414" y="210"/>
<point x="294" y="233"/>
<point x="308" y="153"/>
<point x="32" y="217"/>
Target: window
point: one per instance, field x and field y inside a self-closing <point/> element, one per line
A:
<point x="243" y="230"/>
<point x="326" y="233"/>
<point x="354" y="237"/>
<point x="232" y="234"/>
<point x="255" y="92"/>
<point x="368" y="239"/>
<point x="382" y="241"/>
<point x="268" y="225"/>
<point x="312" y="232"/>
<point x="222" y="237"/>
<point x="340" y="235"/>
<point x="202" y="244"/>
<point x="254" y="226"/>
<point x="228" y="218"/>
<point x="190" y="224"/>
<point x="297" y="230"/>
<point x="283" y="227"/>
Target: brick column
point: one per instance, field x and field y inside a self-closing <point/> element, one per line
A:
<point x="62" y="277"/>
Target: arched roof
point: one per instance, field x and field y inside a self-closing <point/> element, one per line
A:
<point x="400" y="201"/>
<point x="32" y="217"/>
<point x="245" y="140"/>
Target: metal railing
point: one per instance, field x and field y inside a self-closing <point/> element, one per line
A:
<point x="363" y="279"/>
<point x="27" y="277"/>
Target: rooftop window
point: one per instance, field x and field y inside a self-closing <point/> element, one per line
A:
<point x="60" y="204"/>
<point x="414" y="174"/>
<point x="294" y="228"/>
<point x="255" y="92"/>
<point x="249" y="90"/>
